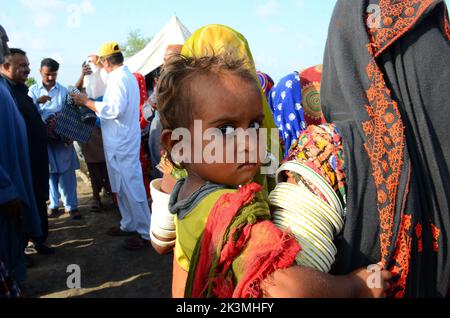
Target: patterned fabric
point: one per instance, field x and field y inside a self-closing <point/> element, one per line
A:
<point x="266" y="83"/>
<point x="143" y="154"/>
<point x="285" y="103"/>
<point x="310" y="79"/>
<point x="384" y="87"/>
<point x="239" y="248"/>
<point x="144" y="96"/>
<point x="320" y="148"/>
<point x="8" y="288"/>
<point x="74" y="123"/>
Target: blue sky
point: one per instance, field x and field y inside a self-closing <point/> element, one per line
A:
<point x="284" y="35"/>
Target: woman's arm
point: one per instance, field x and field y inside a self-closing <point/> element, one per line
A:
<point x="305" y="282"/>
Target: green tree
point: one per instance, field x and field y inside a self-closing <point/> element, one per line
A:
<point x="135" y="42"/>
<point x="30" y="81"/>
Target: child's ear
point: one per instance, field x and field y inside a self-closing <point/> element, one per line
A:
<point x="166" y="140"/>
<point x="177" y="146"/>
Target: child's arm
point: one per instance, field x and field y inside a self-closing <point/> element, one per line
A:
<point x="304" y="282"/>
<point x="161" y="250"/>
<point x="179" y="279"/>
<point x="167" y="185"/>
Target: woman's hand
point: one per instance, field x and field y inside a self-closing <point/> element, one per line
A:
<point x="371" y="282"/>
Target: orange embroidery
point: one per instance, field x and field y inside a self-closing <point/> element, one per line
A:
<point x="436" y="232"/>
<point x="388" y="21"/>
<point x="409" y="12"/>
<point x="385" y="139"/>
<point x="390" y="118"/>
<point x="446" y="25"/>
<point x="385" y="147"/>
<point x="382" y="197"/>
<point x="418" y="230"/>
<point x="401" y="258"/>
<point x="397" y="17"/>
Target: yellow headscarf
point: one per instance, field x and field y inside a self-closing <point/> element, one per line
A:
<point x="216" y="39"/>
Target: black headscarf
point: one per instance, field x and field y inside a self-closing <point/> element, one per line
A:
<point x="386" y="85"/>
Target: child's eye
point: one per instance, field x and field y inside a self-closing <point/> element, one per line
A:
<point x="255" y="125"/>
<point x="227" y="130"/>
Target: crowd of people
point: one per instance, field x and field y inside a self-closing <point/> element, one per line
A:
<point x="357" y="206"/>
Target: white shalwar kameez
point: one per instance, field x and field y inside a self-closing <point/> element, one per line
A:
<point x="119" y="115"/>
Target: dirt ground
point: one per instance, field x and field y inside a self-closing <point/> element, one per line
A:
<point x="107" y="269"/>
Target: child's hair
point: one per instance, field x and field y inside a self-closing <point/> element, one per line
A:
<point x="174" y="92"/>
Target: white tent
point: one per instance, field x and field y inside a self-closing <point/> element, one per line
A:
<point x="152" y="56"/>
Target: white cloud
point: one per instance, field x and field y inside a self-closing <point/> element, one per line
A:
<point x="267" y="9"/>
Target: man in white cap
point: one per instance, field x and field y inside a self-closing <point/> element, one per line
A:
<point x="119" y="115"/>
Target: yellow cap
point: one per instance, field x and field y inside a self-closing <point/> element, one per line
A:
<point x="108" y="49"/>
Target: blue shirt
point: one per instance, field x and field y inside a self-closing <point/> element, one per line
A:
<point x="61" y="157"/>
<point x="58" y="94"/>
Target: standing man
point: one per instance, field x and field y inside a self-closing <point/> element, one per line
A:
<point x="49" y="97"/>
<point x="93" y="81"/>
<point x="18" y="211"/>
<point x="119" y="115"/>
<point x="15" y="71"/>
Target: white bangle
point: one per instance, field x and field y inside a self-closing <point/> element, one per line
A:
<point x="161" y="243"/>
<point x="161" y="232"/>
<point x="160" y="206"/>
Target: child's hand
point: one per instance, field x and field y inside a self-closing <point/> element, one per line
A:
<point x="168" y="183"/>
<point x="371" y="282"/>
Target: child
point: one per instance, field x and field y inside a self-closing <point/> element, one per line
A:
<point x="226" y="245"/>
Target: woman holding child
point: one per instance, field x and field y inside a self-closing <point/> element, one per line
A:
<point x="386" y="155"/>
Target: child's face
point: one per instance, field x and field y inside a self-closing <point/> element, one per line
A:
<point x="224" y="104"/>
